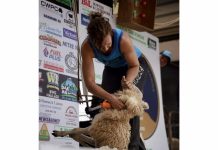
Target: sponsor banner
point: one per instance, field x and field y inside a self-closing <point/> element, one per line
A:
<point x="58" y="16"/>
<point x="59" y="86"/>
<point x="51" y="8"/>
<point x="58" y="83"/>
<point x="90" y="5"/>
<point x="57" y="40"/>
<point x="58" y="112"/>
<point x="46" y="138"/>
<point x="86" y="6"/>
<point x="55" y="114"/>
<point x="141" y="39"/>
<point x="61" y="60"/>
<point x="105" y="10"/>
<point x="64" y="3"/>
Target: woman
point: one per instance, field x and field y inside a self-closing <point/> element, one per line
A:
<point x="124" y="65"/>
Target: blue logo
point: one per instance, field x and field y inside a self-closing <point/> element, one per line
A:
<point x="84" y="20"/>
<point x="69" y="34"/>
<point x="68" y="90"/>
<point x="46" y="52"/>
<point x="44" y="27"/>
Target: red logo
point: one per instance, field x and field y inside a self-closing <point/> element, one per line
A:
<point x="86" y="3"/>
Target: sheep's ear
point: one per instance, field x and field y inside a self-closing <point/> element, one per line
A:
<point x="145" y="105"/>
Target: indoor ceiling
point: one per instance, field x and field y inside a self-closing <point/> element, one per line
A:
<point x="166" y="19"/>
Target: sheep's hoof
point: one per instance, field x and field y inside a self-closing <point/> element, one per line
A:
<point x="55" y="134"/>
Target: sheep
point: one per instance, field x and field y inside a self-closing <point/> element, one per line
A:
<point x="111" y="127"/>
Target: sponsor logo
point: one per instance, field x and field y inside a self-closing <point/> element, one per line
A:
<point x="45" y="51"/>
<point x="52" y="85"/>
<point x="100" y="8"/>
<point x="52" y="18"/>
<point x="69" y="19"/>
<point x="49" y="110"/>
<point x="71" y="116"/>
<point x="49" y="120"/>
<point x="71" y="62"/>
<point x="52" y="93"/>
<point x="84" y="20"/>
<point x="43" y="133"/>
<point x="71" y="112"/>
<point x="52" y="7"/>
<point x="63" y="128"/>
<point x="70" y="45"/>
<point x="51" y="104"/>
<point x="47" y="29"/>
<point x="53" y="79"/>
<point x="69" y="34"/>
<point x="68" y="90"/>
<point x="53" y="66"/>
<point x="50" y="41"/>
<point x="87" y="3"/>
<point x="152" y="44"/>
<point x="52" y="54"/>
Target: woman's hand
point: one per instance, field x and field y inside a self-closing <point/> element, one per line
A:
<point x="126" y="84"/>
<point x="116" y="103"/>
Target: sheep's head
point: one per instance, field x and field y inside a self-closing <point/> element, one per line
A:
<point x="132" y="98"/>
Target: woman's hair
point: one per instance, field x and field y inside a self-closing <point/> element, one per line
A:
<point x="98" y="28"/>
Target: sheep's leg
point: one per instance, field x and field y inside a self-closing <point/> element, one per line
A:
<point x="81" y="135"/>
<point x="80" y="131"/>
<point x="60" y="133"/>
<point x="78" y="134"/>
<point x="84" y="140"/>
<point x="72" y="132"/>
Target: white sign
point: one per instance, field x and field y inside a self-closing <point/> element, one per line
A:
<point x="58" y="109"/>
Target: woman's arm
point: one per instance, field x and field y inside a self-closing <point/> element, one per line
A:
<point x="89" y="77"/>
<point x="130" y="56"/>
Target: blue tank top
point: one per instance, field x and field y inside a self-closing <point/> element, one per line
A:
<point x="115" y="58"/>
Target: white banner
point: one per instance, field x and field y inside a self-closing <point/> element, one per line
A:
<point x="58" y="83"/>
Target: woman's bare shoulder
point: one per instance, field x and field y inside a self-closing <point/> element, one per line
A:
<point x="86" y="49"/>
